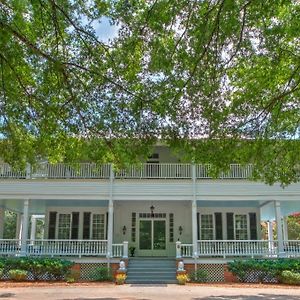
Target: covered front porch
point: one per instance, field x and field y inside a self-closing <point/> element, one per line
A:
<point x="177" y="229"/>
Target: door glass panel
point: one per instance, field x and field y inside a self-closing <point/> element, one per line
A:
<point x="159" y="235"/>
<point x="145" y="235"/>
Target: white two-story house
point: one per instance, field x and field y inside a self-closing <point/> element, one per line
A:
<point x="162" y="208"/>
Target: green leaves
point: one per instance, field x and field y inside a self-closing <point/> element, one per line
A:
<point x="223" y="72"/>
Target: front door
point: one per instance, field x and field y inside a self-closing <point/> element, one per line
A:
<point x="152" y="237"/>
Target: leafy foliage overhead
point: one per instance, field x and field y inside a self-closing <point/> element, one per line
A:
<point x="217" y="75"/>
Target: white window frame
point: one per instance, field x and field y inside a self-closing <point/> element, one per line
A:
<point x="213" y="225"/>
<point x="92" y="227"/>
<point x="57" y="227"/>
<point x="247" y="226"/>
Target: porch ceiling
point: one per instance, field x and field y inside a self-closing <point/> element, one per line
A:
<point x="287" y="208"/>
<point x="216" y="204"/>
<point x="39" y="206"/>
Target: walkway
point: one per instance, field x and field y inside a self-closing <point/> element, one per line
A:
<point x="148" y="292"/>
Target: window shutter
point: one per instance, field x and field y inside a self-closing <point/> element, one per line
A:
<point x="75" y="225"/>
<point x="52" y="225"/>
<point x="230" y="227"/>
<point x="86" y="225"/>
<point x="198" y="225"/>
<point x="253" y="227"/>
<point x="218" y="226"/>
<point x="106" y="226"/>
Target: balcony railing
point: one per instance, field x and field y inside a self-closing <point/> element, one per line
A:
<point x="245" y="248"/>
<point x="63" y="248"/>
<point x="142" y="171"/>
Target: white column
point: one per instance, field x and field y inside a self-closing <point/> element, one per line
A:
<point x="279" y="228"/>
<point x="33" y="229"/>
<point x="24" y="233"/>
<point x="194" y="213"/>
<point x="178" y="249"/>
<point x="18" y="225"/>
<point x="2" y="214"/>
<point x="125" y="249"/>
<point x="285" y="229"/>
<point x="270" y="237"/>
<point x="110" y="215"/>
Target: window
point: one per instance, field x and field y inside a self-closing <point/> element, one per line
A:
<point x="133" y="226"/>
<point x="171" y="228"/>
<point x="64" y="226"/>
<point x="207" y="227"/>
<point x="241" y="227"/>
<point x="98" y="227"/>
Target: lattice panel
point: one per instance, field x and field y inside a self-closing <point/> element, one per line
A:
<point x="259" y="276"/>
<point x="215" y="272"/>
<point x="29" y="277"/>
<point x="86" y="270"/>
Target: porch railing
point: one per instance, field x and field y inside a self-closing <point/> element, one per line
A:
<point x="67" y="247"/>
<point x="10" y="246"/>
<point x="63" y="248"/>
<point x="102" y="171"/>
<point x="246" y="248"/>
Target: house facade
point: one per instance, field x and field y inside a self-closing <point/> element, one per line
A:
<point x="162" y="208"/>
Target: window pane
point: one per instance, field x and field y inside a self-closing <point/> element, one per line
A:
<point x="98" y="227"/>
<point x="64" y="224"/>
<point x="207" y="227"/>
<point x="241" y="227"/>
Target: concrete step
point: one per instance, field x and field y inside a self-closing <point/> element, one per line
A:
<point x="151" y="270"/>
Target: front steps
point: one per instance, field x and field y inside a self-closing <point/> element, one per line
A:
<point x="151" y="270"/>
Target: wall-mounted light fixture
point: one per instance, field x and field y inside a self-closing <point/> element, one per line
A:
<point x="152" y="211"/>
<point x="124" y="230"/>
<point x="180" y="229"/>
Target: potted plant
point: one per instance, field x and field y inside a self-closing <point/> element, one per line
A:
<point x="182" y="278"/>
<point x="132" y="250"/>
<point x="120" y="278"/>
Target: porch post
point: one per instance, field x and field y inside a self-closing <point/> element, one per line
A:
<point x="24" y="232"/>
<point x="2" y="214"/>
<point x="279" y="228"/>
<point x="285" y="229"/>
<point x="194" y="213"/>
<point x="18" y="226"/>
<point x="110" y="215"/>
<point x="33" y="228"/>
<point x="270" y="236"/>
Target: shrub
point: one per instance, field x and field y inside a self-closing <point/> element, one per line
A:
<point x="199" y="276"/>
<point x="264" y="268"/>
<point x="102" y="274"/>
<point x="58" y="268"/>
<point x="72" y="276"/>
<point x="18" y="275"/>
<point x="290" y="277"/>
<point x="53" y="267"/>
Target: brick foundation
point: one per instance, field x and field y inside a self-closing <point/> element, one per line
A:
<point x="228" y="276"/>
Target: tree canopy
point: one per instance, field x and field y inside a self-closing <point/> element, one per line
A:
<point x="217" y="79"/>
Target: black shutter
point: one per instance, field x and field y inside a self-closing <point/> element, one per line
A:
<point x="230" y="226"/>
<point x="253" y="227"/>
<point x="106" y="226"/>
<point x="218" y="226"/>
<point x="198" y="225"/>
<point x="52" y="225"/>
<point x="86" y="225"/>
<point x="75" y="225"/>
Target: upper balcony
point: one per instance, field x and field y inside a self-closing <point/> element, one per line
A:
<point x="103" y="171"/>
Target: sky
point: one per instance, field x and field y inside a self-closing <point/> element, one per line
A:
<point x="104" y="30"/>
